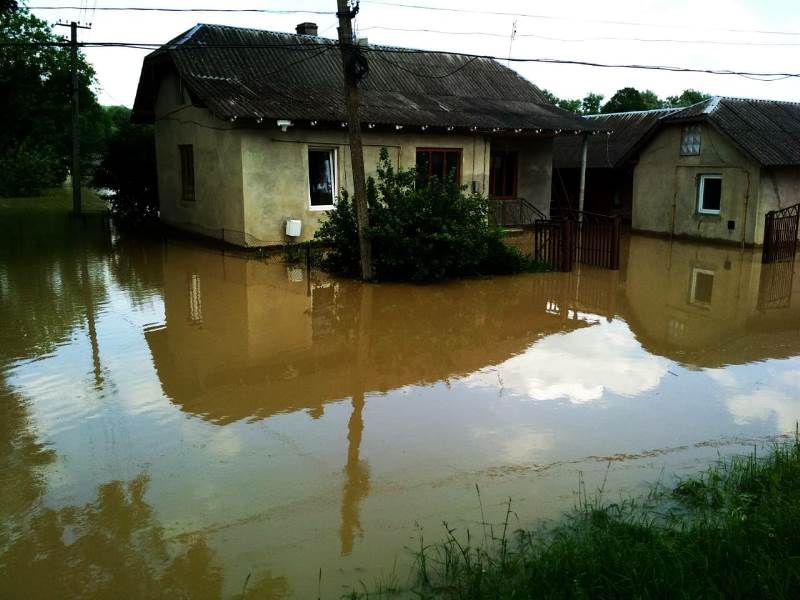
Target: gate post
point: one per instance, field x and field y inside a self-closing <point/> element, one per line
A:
<point x="567" y="244"/>
<point x="614" y="258"/>
<point x="766" y="253"/>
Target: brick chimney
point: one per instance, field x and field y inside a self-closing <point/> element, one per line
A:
<point x="306" y="28"/>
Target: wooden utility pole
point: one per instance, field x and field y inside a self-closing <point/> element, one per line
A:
<point x="76" y="128"/>
<point x="349" y="59"/>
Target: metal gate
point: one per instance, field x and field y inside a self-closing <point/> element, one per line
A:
<point x="780" y="234"/>
<point x="587" y="238"/>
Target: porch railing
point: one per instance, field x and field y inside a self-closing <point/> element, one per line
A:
<point x="513" y="212"/>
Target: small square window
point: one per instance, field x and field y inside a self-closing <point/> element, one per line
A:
<point x="321" y="178"/>
<point x="690" y="140"/>
<point x="187" y="173"/>
<point x="702" y="288"/>
<point x="709" y="194"/>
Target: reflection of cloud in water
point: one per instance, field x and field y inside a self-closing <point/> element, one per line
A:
<point x="580" y="365"/>
<point x="791" y="378"/>
<point x="762" y="405"/>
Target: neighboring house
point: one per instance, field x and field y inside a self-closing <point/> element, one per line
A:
<point x="250" y="127"/>
<point x="714" y="169"/>
<point x="610" y="162"/>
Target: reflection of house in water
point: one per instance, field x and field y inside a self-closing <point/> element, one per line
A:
<point x="708" y="306"/>
<point x="244" y="340"/>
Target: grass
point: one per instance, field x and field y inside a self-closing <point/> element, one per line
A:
<point x="732" y="532"/>
<point x="53" y="201"/>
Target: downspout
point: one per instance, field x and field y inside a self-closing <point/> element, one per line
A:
<point x="674" y="201"/>
<point x="582" y="192"/>
<point x="746" y="204"/>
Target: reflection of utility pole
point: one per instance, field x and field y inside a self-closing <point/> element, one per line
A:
<point x="354" y="68"/>
<point x="356" y="485"/>
<point x="88" y="298"/>
<point x="76" y="130"/>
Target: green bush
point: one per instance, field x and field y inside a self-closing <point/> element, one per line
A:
<point x="29" y="169"/>
<point x="126" y="175"/>
<point x="420" y="231"/>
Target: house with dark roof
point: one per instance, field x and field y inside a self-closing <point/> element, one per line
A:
<point x="714" y="169"/>
<point x="251" y="128"/>
<point x="610" y="161"/>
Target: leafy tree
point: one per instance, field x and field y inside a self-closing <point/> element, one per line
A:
<point x="8" y="5"/>
<point x="630" y="99"/>
<point x="35" y="89"/>
<point x="590" y="105"/>
<point x="420" y="231"/>
<point x="127" y="174"/>
<point x="686" y="98"/>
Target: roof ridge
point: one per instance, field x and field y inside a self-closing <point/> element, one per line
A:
<point x="633" y="112"/>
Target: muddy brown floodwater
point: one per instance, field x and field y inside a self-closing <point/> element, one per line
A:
<point x="175" y="419"/>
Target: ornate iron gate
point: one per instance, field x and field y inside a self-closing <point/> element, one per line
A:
<point x="780" y="234"/>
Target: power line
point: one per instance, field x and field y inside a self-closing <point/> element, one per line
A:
<point x="572" y="19"/>
<point x="763" y="76"/>
<point x="578" y="40"/>
<point x="187" y="10"/>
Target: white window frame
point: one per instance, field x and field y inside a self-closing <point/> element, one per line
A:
<point x="695" y="129"/>
<point x="701" y="189"/>
<point x="693" y="289"/>
<point x="335" y="174"/>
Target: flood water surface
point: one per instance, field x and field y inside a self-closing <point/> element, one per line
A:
<point x="176" y="421"/>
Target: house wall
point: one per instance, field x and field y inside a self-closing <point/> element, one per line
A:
<point x="275" y="168"/>
<point x="217" y="210"/>
<point x="665" y="189"/>
<point x="534" y="168"/>
<point x="780" y="187"/>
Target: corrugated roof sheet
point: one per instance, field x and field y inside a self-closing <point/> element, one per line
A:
<point x="248" y="73"/>
<point x="629" y="130"/>
<point x="767" y="130"/>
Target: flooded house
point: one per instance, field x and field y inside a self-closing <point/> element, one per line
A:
<point x="610" y="162"/>
<point x="251" y="128"/>
<point x="714" y="169"/>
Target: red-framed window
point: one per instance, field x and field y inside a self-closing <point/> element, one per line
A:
<point x="439" y="162"/>
<point x="503" y="174"/>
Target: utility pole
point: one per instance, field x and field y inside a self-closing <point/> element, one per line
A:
<point x="350" y="66"/>
<point x="76" y="129"/>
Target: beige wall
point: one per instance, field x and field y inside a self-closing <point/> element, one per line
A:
<point x="275" y="168"/>
<point x="665" y="189"/>
<point x="217" y="210"/>
<point x="780" y="187"/>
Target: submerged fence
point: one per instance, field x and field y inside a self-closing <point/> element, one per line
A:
<point x="780" y="234"/>
<point x="587" y="238"/>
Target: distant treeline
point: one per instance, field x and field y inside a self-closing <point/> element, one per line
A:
<point x="625" y="100"/>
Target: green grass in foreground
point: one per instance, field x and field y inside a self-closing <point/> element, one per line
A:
<point x="732" y="532"/>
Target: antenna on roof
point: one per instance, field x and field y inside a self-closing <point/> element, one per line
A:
<point x="511" y="41"/>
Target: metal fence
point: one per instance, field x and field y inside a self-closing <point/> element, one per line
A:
<point x="780" y="234"/>
<point x="589" y="238"/>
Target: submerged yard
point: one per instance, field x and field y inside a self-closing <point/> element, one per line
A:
<point x="178" y="420"/>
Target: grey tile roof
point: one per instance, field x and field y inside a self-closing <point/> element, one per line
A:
<point x="629" y="131"/>
<point x="248" y="73"/>
<point x="767" y="130"/>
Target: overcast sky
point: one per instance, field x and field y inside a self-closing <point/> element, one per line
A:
<point x="689" y="21"/>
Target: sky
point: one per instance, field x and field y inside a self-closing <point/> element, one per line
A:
<point x="706" y="34"/>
